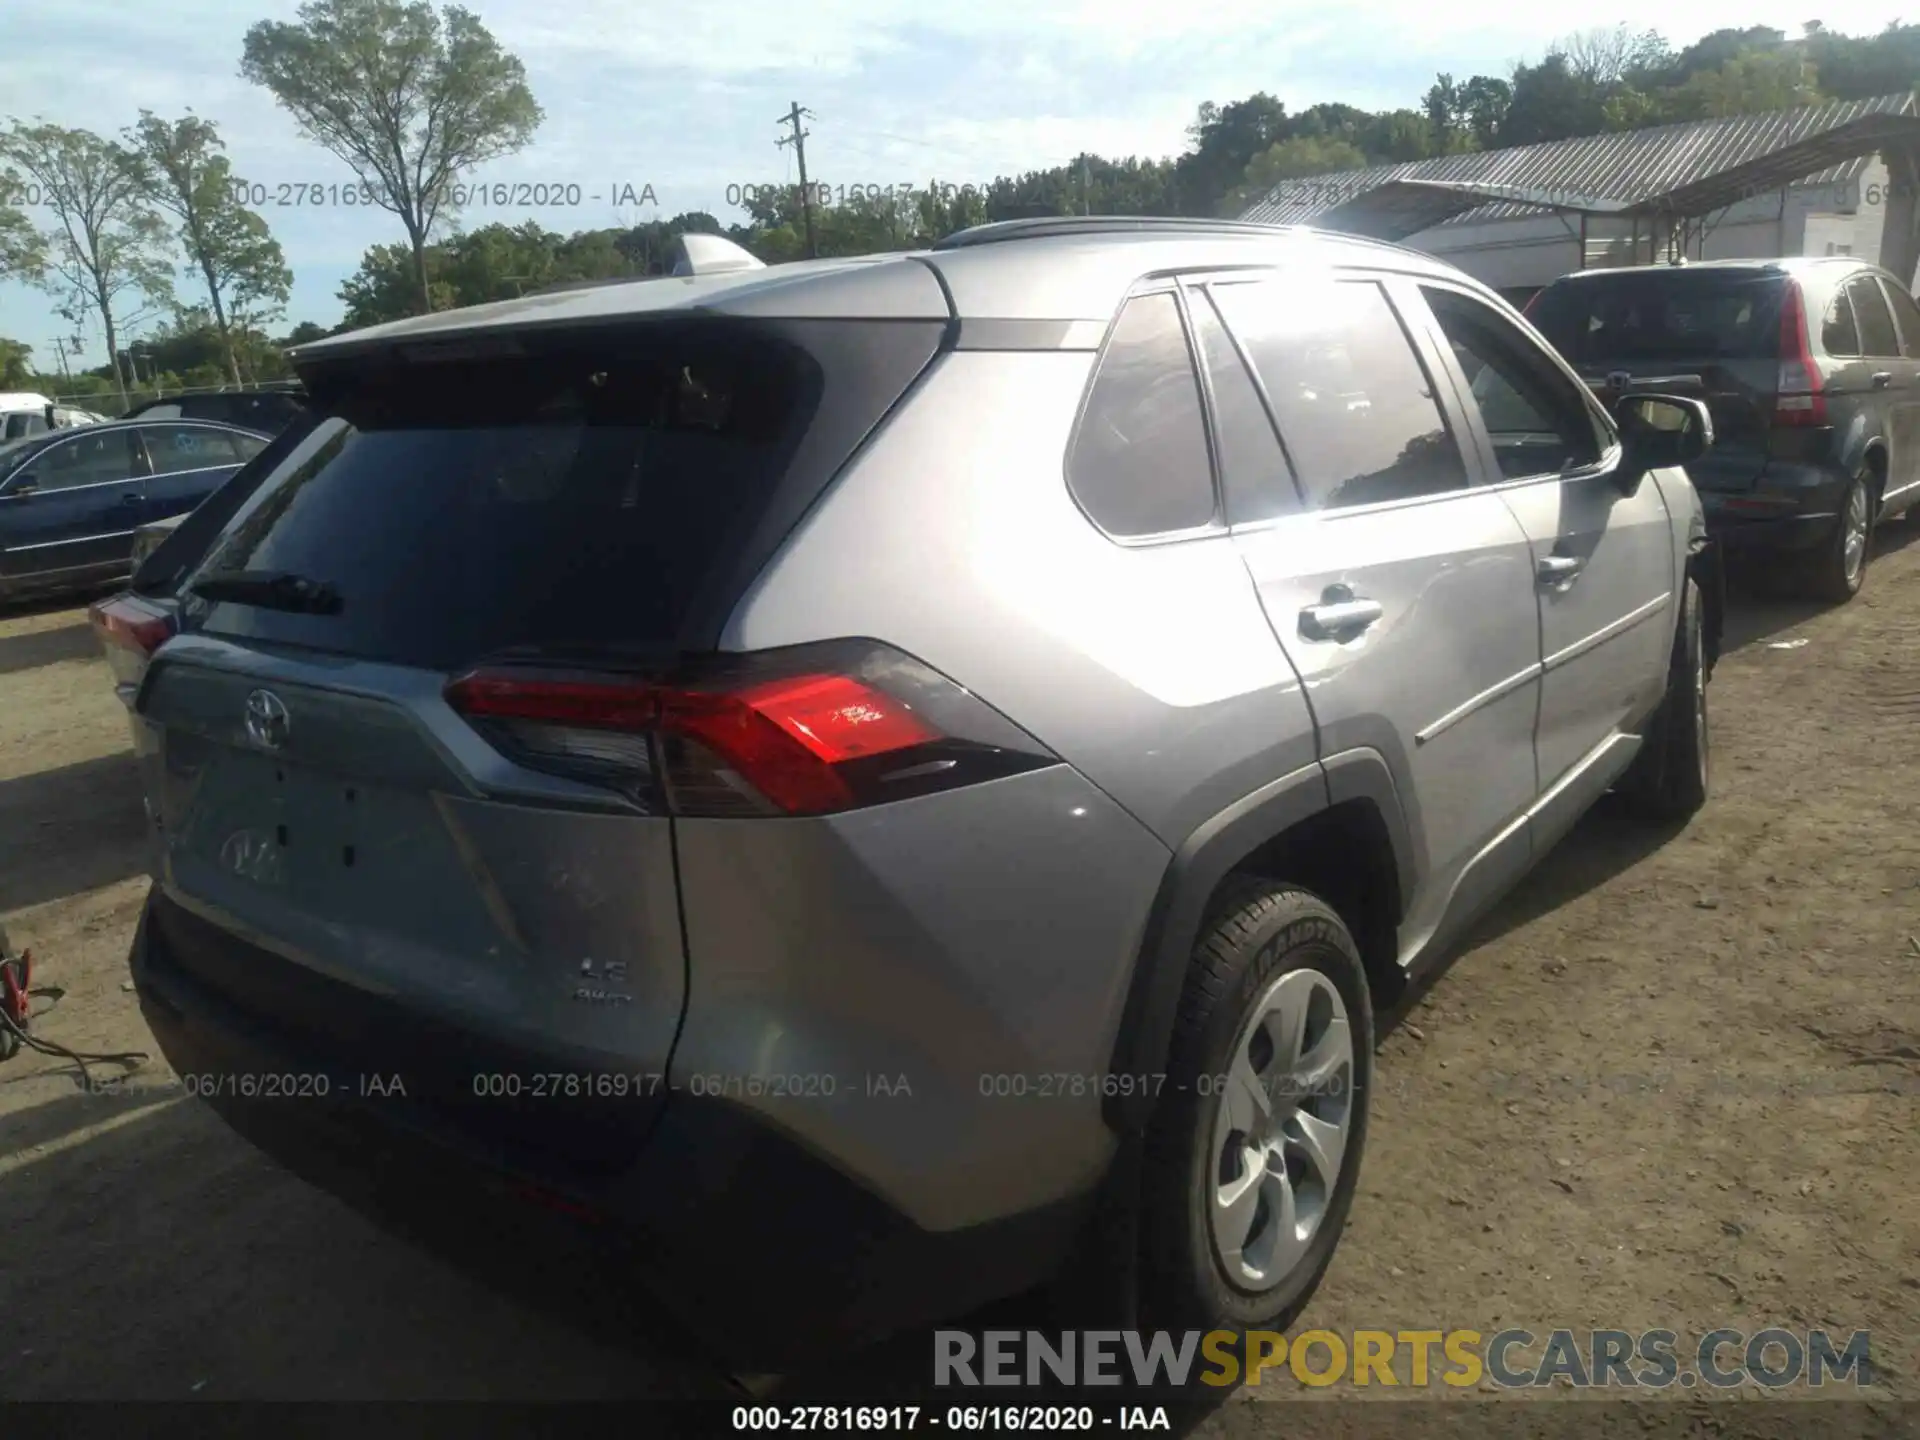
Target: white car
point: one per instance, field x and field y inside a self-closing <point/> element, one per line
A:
<point x="23" y="412"/>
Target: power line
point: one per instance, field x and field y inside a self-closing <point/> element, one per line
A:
<point x="798" y="139"/>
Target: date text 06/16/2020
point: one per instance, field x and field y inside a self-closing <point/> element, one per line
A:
<point x="460" y="194"/>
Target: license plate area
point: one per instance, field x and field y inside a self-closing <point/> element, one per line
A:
<point x="369" y="856"/>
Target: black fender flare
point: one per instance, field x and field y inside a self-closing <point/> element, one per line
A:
<point x="1193" y="874"/>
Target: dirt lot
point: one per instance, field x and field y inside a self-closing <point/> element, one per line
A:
<point x="1675" y="1082"/>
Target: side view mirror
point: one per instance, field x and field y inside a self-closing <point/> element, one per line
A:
<point x="1660" y="430"/>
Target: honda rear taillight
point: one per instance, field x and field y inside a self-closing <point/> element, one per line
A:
<point x="809" y="731"/>
<point x="127" y="624"/>
<point x="1797" y="393"/>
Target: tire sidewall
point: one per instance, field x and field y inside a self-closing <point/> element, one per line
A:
<point x="1689" y="759"/>
<point x="1306" y="938"/>
<point x="1841" y="583"/>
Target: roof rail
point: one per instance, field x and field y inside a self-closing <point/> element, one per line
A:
<point x="1040" y="226"/>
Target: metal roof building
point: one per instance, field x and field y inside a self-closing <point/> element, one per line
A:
<point x="1807" y="180"/>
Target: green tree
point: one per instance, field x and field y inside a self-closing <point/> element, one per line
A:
<point x="1858" y="67"/>
<point x="1552" y="102"/>
<point x="108" y="243"/>
<point x="648" y="246"/>
<point x="1710" y="52"/>
<point x="386" y="286"/>
<point x="1746" y="85"/>
<point x="1468" y="115"/>
<point x="22" y="251"/>
<point x="1294" y="160"/>
<point x="1225" y="139"/>
<point x="409" y="98"/>
<point x="238" y="259"/>
<point x="16" y="366"/>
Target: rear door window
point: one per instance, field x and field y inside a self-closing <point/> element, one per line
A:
<point x="175" y="449"/>
<point x="1907" y="315"/>
<point x="1253" y="469"/>
<point x="1356" y="410"/>
<point x="1878" y="338"/>
<point x="1139" y="465"/>
<point x="87" y="459"/>
<point x="1839" y="335"/>
<point x="586" y="495"/>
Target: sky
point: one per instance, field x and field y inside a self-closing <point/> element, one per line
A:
<point x="685" y="100"/>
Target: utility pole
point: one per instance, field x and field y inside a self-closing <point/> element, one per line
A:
<point x="798" y="139"/>
<point x="1086" y="189"/>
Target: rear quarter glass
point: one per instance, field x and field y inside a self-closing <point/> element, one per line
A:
<point x="591" y="495"/>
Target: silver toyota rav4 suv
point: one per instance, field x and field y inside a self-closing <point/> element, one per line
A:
<point x="862" y="772"/>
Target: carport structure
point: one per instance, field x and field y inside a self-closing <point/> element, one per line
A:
<point x="1672" y="183"/>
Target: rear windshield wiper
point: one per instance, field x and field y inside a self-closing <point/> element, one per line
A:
<point x="270" y="590"/>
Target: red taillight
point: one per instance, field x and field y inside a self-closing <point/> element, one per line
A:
<point x="129" y="625"/>
<point x="837" y="718"/>
<point x="803" y="741"/>
<point x="597" y="704"/>
<point x="788" y="738"/>
<point x="1797" y="393"/>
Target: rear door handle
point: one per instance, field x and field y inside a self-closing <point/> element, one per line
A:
<point x="1339" y="619"/>
<point x="1558" y="569"/>
<point x="1882" y="379"/>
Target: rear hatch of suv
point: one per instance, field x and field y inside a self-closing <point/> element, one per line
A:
<point x="1718" y="334"/>
<point x="358" y="856"/>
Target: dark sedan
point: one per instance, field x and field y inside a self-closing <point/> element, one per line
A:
<point x="72" y="500"/>
<point x="267" y="411"/>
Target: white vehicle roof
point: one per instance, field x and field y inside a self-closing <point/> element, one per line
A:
<point x="22" y="400"/>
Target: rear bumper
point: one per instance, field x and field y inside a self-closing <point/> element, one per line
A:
<point x="1792" y="507"/>
<point x="769" y="1255"/>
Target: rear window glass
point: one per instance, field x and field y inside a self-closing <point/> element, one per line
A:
<point x="577" y="499"/>
<point x="1685" y="314"/>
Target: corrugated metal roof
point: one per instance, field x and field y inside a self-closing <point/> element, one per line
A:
<point x="1628" y="166"/>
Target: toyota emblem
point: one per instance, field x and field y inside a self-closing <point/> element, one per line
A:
<point x="267" y="720"/>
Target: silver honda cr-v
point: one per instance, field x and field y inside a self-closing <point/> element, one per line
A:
<point x="863" y="771"/>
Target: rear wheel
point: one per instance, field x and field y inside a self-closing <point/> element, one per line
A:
<point x="1668" y="779"/>
<point x="1839" y="567"/>
<point x="1254" y="1152"/>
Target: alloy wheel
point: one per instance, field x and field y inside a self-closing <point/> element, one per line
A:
<point x="1284" y="1111"/>
<point x="1854" y="543"/>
